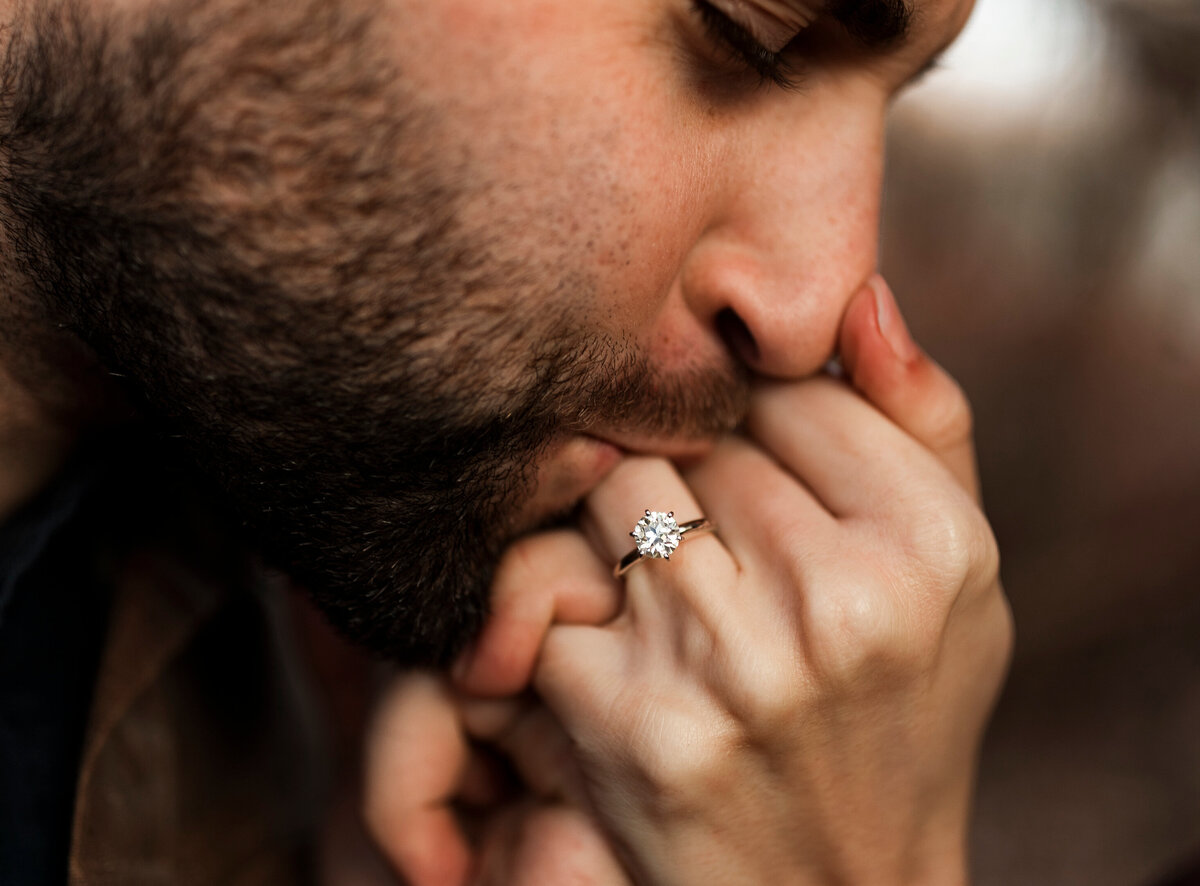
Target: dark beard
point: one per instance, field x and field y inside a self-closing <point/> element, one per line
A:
<point x="397" y="540"/>
<point x="241" y="210"/>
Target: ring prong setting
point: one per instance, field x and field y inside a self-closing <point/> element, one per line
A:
<point x="657" y="535"/>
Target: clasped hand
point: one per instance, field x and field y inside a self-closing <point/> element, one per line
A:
<point x="798" y="699"/>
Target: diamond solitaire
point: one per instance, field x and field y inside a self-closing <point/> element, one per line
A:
<point x="657" y="534"/>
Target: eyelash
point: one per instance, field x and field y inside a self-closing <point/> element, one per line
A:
<point x="770" y="67"/>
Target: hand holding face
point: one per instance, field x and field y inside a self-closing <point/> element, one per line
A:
<point x="801" y="697"/>
<point x="427" y="786"/>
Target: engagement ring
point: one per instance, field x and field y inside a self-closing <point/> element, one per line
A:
<point x="657" y="535"/>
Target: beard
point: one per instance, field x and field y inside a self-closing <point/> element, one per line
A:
<point x="247" y="216"/>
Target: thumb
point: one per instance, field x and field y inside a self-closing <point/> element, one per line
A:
<point x="893" y="373"/>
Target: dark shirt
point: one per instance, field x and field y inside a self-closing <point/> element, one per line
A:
<point x="53" y="607"/>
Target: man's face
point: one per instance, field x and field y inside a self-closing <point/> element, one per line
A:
<point x="718" y="214"/>
<point x="409" y="276"/>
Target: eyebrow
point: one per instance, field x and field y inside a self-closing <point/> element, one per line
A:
<point x="877" y="24"/>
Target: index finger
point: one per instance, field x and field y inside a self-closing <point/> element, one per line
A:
<point x="901" y="380"/>
<point x="857" y="461"/>
<point x="552" y="577"/>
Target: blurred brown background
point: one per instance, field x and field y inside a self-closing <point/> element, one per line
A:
<point x="1042" y="231"/>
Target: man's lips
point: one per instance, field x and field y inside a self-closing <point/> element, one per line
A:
<point x="577" y="465"/>
<point x="566" y="474"/>
<point x="677" y="447"/>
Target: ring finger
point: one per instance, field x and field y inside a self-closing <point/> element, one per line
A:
<point x="697" y="569"/>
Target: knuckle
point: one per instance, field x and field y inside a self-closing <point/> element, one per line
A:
<point x="951" y="420"/>
<point x="768" y="699"/>
<point x="864" y="639"/>
<point x="948" y="545"/>
<point x="520" y="561"/>
<point x="680" y="758"/>
<point x="512" y="572"/>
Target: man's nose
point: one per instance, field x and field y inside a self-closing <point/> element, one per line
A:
<point x="794" y="230"/>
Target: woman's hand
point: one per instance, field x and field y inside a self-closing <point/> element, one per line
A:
<point x="442" y="813"/>
<point x="801" y="697"/>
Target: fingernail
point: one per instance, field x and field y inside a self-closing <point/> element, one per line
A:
<point x="891" y="323"/>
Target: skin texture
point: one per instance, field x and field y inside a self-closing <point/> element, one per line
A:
<point x="254" y="217"/>
<point x="799" y="700"/>
<point x="387" y="270"/>
<point x="636" y="710"/>
<point x="503" y="230"/>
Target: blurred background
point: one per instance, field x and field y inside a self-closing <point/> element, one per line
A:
<point x="1042" y="232"/>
